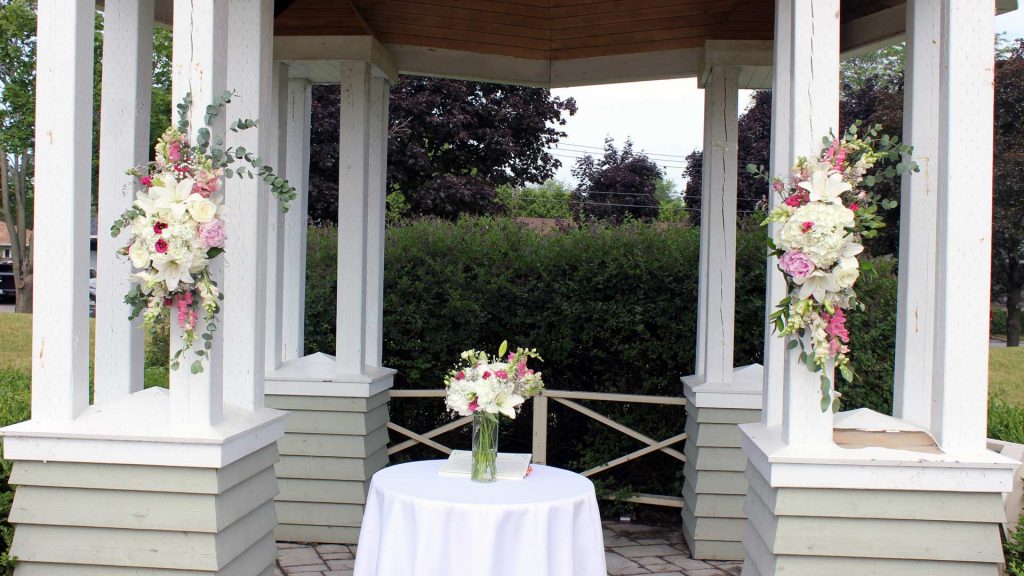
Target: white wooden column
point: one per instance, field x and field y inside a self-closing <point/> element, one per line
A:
<point x="275" y="155"/>
<point x="780" y="164"/>
<point x="124" y="142"/>
<point x="380" y="92"/>
<point x="960" y="371"/>
<point x="716" y="296"/>
<point x="915" y="316"/>
<point x="63" y="157"/>
<point x="296" y="170"/>
<point x="198" y="68"/>
<point x="353" y="192"/>
<point x="813" y="34"/>
<point x="250" y="48"/>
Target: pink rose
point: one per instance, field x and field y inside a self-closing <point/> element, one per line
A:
<point x="796" y="264"/>
<point x="159" y="228"/>
<point x="146" y="181"/>
<point x="161" y="246"/>
<point x="212" y="233"/>
<point x="474" y="406"/>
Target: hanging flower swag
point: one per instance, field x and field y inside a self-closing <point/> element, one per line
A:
<point x="827" y="209"/>
<point x="177" y="225"/>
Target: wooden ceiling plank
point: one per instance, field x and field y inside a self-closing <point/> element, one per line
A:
<point x="495" y="6"/>
<point x="641" y="25"/>
<point x="604" y="7"/>
<point x="632" y="37"/>
<point x="383" y="28"/>
<point x="380" y="6"/>
<point x="631" y="48"/>
<point x="469" y="46"/>
<point x="395" y="18"/>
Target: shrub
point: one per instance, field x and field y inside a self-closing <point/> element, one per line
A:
<point x="610" y="308"/>
<point x="15" y="406"/>
<point x="1013" y="550"/>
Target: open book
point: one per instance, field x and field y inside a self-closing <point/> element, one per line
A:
<point x="508" y="466"/>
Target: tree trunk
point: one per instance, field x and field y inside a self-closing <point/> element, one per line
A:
<point x="1013" y="316"/>
<point x="23" y="295"/>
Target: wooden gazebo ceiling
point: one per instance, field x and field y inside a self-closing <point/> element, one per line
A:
<point x="533" y="29"/>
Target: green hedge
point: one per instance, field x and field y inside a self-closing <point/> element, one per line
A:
<point x="15" y="405"/>
<point x="611" y="309"/>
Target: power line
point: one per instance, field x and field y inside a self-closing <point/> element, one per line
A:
<point x="601" y="149"/>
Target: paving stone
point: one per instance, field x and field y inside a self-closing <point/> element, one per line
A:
<point x="331" y="548"/>
<point x="337" y="556"/>
<point x="651" y="550"/>
<point x="298" y="557"/>
<point x="341" y="564"/>
<point x="619" y="566"/>
<point x="663" y="568"/>
<point x="649" y="560"/>
<point x="338" y="573"/>
<point x="283" y="545"/>
<point x="686" y="563"/>
<point x="618" y="541"/>
<point x="708" y="572"/>
<point x="309" y="569"/>
<point x="647" y="541"/>
<point x="277" y="571"/>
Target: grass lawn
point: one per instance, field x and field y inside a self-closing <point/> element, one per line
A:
<point x="1006" y="374"/>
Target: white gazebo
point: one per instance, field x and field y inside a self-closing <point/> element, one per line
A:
<point x="183" y="481"/>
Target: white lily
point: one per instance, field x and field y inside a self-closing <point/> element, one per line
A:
<point x="826" y="186"/>
<point x="506" y="403"/>
<point x="817" y="284"/>
<point x="171" y="273"/>
<point x="172" y="198"/>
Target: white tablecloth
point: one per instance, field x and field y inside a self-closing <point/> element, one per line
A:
<point x="417" y="523"/>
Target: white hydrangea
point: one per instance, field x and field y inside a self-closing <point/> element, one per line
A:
<point x="818" y="230"/>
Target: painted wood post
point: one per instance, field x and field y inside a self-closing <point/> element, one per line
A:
<point x="963" y="278"/>
<point x="275" y="155"/>
<point x="63" y="158"/>
<point x="716" y="296"/>
<point x="380" y="92"/>
<point x="813" y="38"/>
<point x="250" y="37"/>
<point x="781" y="156"/>
<point x="915" y="315"/>
<point x="353" y="188"/>
<point x="296" y="170"/>
<point x="124" y="142"/>
<point x="198" y="68"/>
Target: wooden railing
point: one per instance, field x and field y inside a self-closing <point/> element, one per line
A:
<point x="540" y="431"/>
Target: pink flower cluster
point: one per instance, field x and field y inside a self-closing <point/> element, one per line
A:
<point x="836" y="329"/>
<point x="186" y="313"/>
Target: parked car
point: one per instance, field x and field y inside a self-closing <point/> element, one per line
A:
<point x="6" y="281"/>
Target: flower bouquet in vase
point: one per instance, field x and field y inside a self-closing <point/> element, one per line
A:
<point x="485" y="388"/>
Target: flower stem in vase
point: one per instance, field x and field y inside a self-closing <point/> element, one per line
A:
<point x="485" y="447"/>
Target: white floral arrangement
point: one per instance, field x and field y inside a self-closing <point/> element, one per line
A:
<point x="486" y="385"/>
<point x="177" y="226"/>
<point x="827" y="210"/>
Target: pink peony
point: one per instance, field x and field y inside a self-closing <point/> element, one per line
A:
<point x="212" y="233"/>
<point x="174" y="151"/>
<point x="161" y="246"/>
<point x="796" y="264"/>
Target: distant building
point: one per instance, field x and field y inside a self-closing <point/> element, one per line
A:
<point x="5" y="242"/>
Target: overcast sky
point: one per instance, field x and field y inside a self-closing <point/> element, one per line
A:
<point x="664" y="118"/>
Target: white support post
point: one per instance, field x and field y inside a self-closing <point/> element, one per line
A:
<point x="60" y="324"/>
<point x="250" y="38"/>
<point x="915" y="316"/>
<point x="124" y="142"/>
<point x="296" y="170"/>
<point x="380" y="92"/>
<point x="716" y="296"/>
<point x="813" y="35"/>
<point x="198" y="68"/>
<point x="276" y="153"/>
<point x="960" y="371"/>
<point x="353" y="190"/>
<point x="781" y="156"/>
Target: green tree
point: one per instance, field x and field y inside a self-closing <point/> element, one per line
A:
<point x="548" y="200"/>
<point x="17" y="124"/>
<point x="671" y="207"/>
<point x="1008" y="187"/>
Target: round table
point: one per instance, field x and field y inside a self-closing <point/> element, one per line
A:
<point x="418" y="523"/>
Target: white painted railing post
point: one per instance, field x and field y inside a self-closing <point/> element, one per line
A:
<point x="814" y="113"/>
<point x="376" y="208"/>
<point x="353" y="192"/>
<point x="124" y="142"/>
<point x="249" y="73"/>
<point x="275" y="156"/>
<point x="63" y="154"/>
<point x="198" y="68"/>
<point x="915" y="316"/>
<point x="716" y="296"/>
<point x="296" y="170"/>
<point x="960" y="371"/>
<point x="781" y="161"/>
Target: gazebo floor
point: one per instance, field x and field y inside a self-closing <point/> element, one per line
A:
<point x="629" y="549"/>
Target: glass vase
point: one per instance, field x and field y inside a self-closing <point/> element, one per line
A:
<point x="485" y="447"/>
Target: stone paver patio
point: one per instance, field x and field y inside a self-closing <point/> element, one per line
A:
<point x="629" y="549"/>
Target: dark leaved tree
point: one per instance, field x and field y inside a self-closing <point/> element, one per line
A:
<point x="619" y="185"/>
<point x="1008" y="187"/>
<point x="450" y="144"/>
